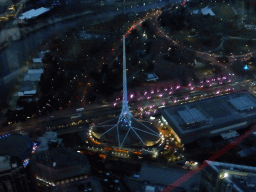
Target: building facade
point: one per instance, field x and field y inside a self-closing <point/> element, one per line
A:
<point x="210" y="117"/>
<point x="225" y="177"/>
<point x="58" y="168"/>
<point x="12" y="175"/>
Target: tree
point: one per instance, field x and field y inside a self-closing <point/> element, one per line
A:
<point x="217" y="69"/>
<point x="46" y="86"/>
<point x="55" y="44"/>
<point x="104" y="69"/>
<point x="148" y="48"/>
<point x="250" y="42"/>
<point x="95" y="76"/>
<point x="150" y="67"/>
<point x="196" y="79"/>
<point x="134" y="33"/>
<point x="184" y="80"/>
<point x="223" y="60"/>
<point x="48" y="58"/>
<point x="59" y="81"/>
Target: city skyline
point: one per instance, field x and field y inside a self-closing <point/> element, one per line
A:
<point x="132" y="96"/>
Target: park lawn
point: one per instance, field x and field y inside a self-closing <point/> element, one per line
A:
<point x="182" y="36"/>
<point x="224" y="11"/>
<point x="113" y="25"/>
<point x="204" y="42"/>
<point x="248" y="33"/>
<point x="236" y="46"/>
<point x="251" y="18"/>
<point x="80" y="48"/>
<point x="209" y="42"/>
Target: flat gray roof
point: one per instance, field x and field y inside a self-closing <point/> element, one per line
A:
<point x="63" y="157"/>
<point x="236" y="174"/>
<point x="191" y="115"/>
<point x="216" y="110"/>
<point x="48" y="136"/>
<point x="60" y="163"/>
<point x="32" y="77"/>
<point x="33" y="13"/>
<point x="242" y="103"/>
<point x="28" y="85"/>
<point x="32" y="71"/>
<point x="16" y="145"/>
<point x="166" y="176"/>
<point x="214" y="115"/>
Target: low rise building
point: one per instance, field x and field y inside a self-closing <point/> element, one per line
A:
<point x="161" y="177"/>
<point x="17" y="145"/>
<point x="151" y="77"/>
<point x="226" y="177"/>
<point x="33" y="13"/>
<point x="59" y="169"/>
<point x="210" y="117"/>
<point x="48" y="139"/>
<point x="204" y="11"/>
<point x="12" y="175"/>
<point x="40" y="56"/>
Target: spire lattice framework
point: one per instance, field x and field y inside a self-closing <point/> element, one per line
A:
<point x="125" y="118"/>
<point x="125" y="115"/>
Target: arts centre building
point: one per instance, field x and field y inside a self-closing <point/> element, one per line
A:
<point x="221" y="115"/>
<point x="140" y="135"/>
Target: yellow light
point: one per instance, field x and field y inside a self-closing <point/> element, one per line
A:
<point x="225" y="174"/>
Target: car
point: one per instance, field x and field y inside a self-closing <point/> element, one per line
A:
<point x="79" y="109"/>
<point x="76" y="116"/>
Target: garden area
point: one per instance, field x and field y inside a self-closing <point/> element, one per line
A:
<point x="220" y="32"/>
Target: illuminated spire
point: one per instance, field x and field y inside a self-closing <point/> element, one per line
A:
<point x="125" y="114"/>
<point x="125" y="118"/>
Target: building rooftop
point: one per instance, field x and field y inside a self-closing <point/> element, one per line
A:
<point x="247" y="152"/>
<point x="242" y="177"/>
<point x="191" y="115"/>
<point x="7" y="163"/>
<point x="35" y="71"/>
<point x="16" y="145"/>
<point x="44" y="141"/>
<point x="27" y="86"/>
<point x="166" y="176"/>
<point x="151" y="77"/>
<point x="32" y="77"/>
<point x="229" y="135"/>
<point x="213" y="116"/>
<point x="40" y="56"/>
<point x="58" y="164"/>
<point x="205" y="11"/>
<point x="33" y="13"/>
<point x="60" y="157"/>
<point x="132" y="138"/>
<point x="242" y="103"/>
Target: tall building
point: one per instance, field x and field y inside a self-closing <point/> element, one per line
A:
<point x="12" y="175"/>
<point x="225" y="177"/>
